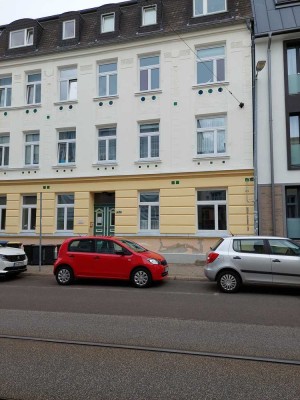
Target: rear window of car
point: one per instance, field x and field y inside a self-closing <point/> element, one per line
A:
<point x="217" y="244"/>
<point x="82" y="246"/>
<point x="249" y="246"/>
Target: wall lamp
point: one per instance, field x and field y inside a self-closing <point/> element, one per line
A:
<point x="260" y="65"/>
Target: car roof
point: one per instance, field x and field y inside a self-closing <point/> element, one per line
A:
<point x="256" y="237"/>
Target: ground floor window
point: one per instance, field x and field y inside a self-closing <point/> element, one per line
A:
<point x="293" y="212"/>
<point x="212" y="210"/>
<point x="65" y="212"/>
<point x="29" y="213"/>
<point x="2" y="212"/>
<point x="149" y="211"/>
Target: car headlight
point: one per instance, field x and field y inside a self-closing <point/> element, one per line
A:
<point x="3" y="257"/>
<point x="153" y="261"/>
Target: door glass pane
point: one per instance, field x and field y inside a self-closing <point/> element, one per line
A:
<point x="284" y="247"/>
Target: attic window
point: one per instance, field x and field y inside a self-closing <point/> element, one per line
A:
<point x="69" y="29"/>
<point x="107" y="22"/>
<point x="20" y="38"/>
<point x="204" y="7"/>
<point x="149" y="15"/>
<point x="287" y="2"/>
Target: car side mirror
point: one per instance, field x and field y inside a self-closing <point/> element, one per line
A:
<point x="123" y="252"/>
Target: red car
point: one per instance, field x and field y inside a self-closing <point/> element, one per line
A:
<point x="109" y="258"/>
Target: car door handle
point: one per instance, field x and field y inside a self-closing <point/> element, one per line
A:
<point x="237" y="258"/>
<point x="276" y="260"/>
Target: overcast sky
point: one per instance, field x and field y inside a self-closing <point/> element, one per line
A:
<point x="11" y="10"/>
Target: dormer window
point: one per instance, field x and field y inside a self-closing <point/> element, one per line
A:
<point x="149" y="15"/>
<point x="20" y="38"/>
<point x="204" y="7"/>
<point x="69" y="29"/>
<point x="107" y="23"/>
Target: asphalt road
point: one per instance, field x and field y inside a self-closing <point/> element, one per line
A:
<point x="176" y="340"/>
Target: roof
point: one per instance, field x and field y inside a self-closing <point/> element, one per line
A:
<point x="275" y="16"/>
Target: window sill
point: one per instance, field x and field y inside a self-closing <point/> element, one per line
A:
<point x="149" y="233"/>
<point x="148" y="161"/>
<point x="58" y="103"/>
<point x="217" y="234"/>
<point x="105" y="163"/>
<point x="211" y="157"/>
<point x="64" y="166"/>
<point x="212" y="13"/>
<point x="209" y="84"/>
<point x="101" y="98"/>
<point x="38" y="105"/>
<point x="148" y="92"/>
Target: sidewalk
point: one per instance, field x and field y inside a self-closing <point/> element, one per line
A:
<point x="176" y="271"/>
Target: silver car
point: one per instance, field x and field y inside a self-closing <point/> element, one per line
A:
<point x="236" y="260"/>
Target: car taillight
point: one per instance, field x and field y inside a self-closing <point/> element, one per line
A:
<point x="211" y="257"/>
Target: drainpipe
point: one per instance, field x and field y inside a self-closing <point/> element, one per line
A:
<point x="271" y="134"/>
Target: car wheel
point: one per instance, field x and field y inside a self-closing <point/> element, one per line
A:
<point x="64" y="275"/>
<point x="229" y="281"/>
<point x="141" y="278"/>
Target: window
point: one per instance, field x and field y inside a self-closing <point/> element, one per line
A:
<point x="68" y="84"/>
<point x="149" y="73"/>
<point x="65" y="212"/>
<point x="107" y="247"/>
<point x="33" y="89"/>
<point x="149" y="141"/>
<point x="211" y="136"/>
<point x="22" y="37"/>
<point x="283" y="247"/>
<point x="32" y="148"/>
<point x="5" y="91"/>
<point x="149" y="15"/>
<point x="107" y="79"/>
<point x="293" y="65"/>
<point x="149" y="211"/>
<point x="203" y="7"/>
<point x="29" y="213"/>
<point x="294" y="141"/>
<point x="69" y="29"/>
<point x="292" y="199"/>
<point x="212" y="210"/>
<point x="211" y="65"/>
<point x="107" y="22"/>
<point x="249" y="246"/>
<point x="2" y="212"/>
<point x="107" y="143"/>
<point x="82" y="246"/>
<point x="66" y="147"/>
<point x="4" y="150"/>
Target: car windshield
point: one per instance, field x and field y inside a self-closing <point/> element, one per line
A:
<point x="134" y="246"/>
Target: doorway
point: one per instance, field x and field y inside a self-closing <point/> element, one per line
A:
<point x="104" y="214"/>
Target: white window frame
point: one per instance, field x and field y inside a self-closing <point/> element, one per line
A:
<point x="205" y="12"/>
<point x="34" y="85"/>
<point x="215" y="131"/>
<point x="67" y="142"/>
<point x="3" y="147"/>
<point x="149" y="68"/>
<point x="149" y="205"/>
<point x="216" y="204"/>
<point x="149" y="136"/>
<point x="65" y="207"/>
<point x="26" y="37"/>
<point x="103" y="18"/>
<point x="3" y="214"/>
<point x="108" y="76"/>
<point x="31" y="145"/>
<point x="107" y="140"/>
<point x="29" y="208"/>
<point x="214" y="60"/>
<point x="144" y="11"/>
<point x="69" y="81"/>
<point x="5" y="88"/>
<point x="64" y="29"/>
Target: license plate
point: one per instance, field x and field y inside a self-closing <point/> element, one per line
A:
<point x="19" y="264"/>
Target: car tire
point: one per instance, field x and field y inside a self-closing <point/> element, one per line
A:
<point x="229" y="281"/>
<point x="64" y="275"/>
<point x="141" y="278"/>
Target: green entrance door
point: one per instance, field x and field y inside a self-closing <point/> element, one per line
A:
<point x="104" y="220"/>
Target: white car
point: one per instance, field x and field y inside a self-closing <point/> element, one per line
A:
<point x="13" y="261"/>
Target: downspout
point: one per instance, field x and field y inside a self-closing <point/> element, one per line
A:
<point x="271" y="133"/>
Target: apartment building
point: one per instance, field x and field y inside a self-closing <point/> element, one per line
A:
<point x="131" y="119"/>
<point x="277" y="43"/>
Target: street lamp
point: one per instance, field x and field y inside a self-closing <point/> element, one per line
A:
<point x="259" y="67"/>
